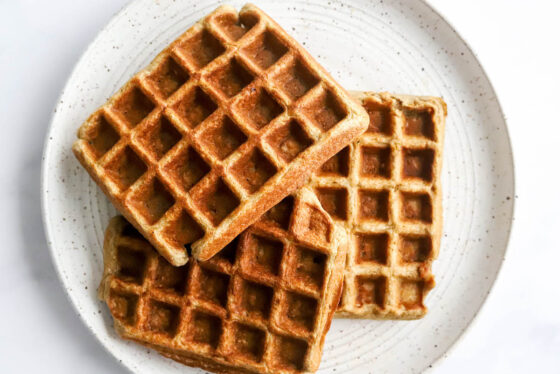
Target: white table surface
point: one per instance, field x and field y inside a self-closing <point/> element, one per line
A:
<point x="518" y="329"/>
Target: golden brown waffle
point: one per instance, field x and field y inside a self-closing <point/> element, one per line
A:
<point x="385" y="189"/>
<point x="262" y="305"/>
<point x="224" y="123"/>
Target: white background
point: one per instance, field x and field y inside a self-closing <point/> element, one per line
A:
<point x="518" y="329"/>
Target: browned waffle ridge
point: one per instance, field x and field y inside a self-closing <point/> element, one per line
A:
<point x="262" y="305"/>
<point x="223" y="124"/>
<point x="385" y="190"/>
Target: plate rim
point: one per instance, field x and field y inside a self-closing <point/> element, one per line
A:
<point x="45" y="215"/>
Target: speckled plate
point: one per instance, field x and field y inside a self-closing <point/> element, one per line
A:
<point x="397" y="46"/>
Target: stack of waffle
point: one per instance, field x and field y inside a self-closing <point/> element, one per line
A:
<point x="255" y="192"/>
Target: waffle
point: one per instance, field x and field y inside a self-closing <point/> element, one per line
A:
<point x="261" y="305"/>
<point x="228" y="120"/>
<point x="385" y="189"/>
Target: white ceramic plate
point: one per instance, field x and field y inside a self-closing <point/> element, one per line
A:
<point x="398" y="46"/>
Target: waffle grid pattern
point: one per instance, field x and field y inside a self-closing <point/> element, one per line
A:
<point x="385" y="189"/>
<point x="224" y="123"/>
<point x="263" y="304"/>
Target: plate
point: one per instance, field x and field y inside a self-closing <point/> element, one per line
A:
<point x="388" y="45"/>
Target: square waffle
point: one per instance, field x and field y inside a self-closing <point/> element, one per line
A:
<point x="262" y="305"/>
<point x="224" y="123"/>
<point x="385" y="189"/>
